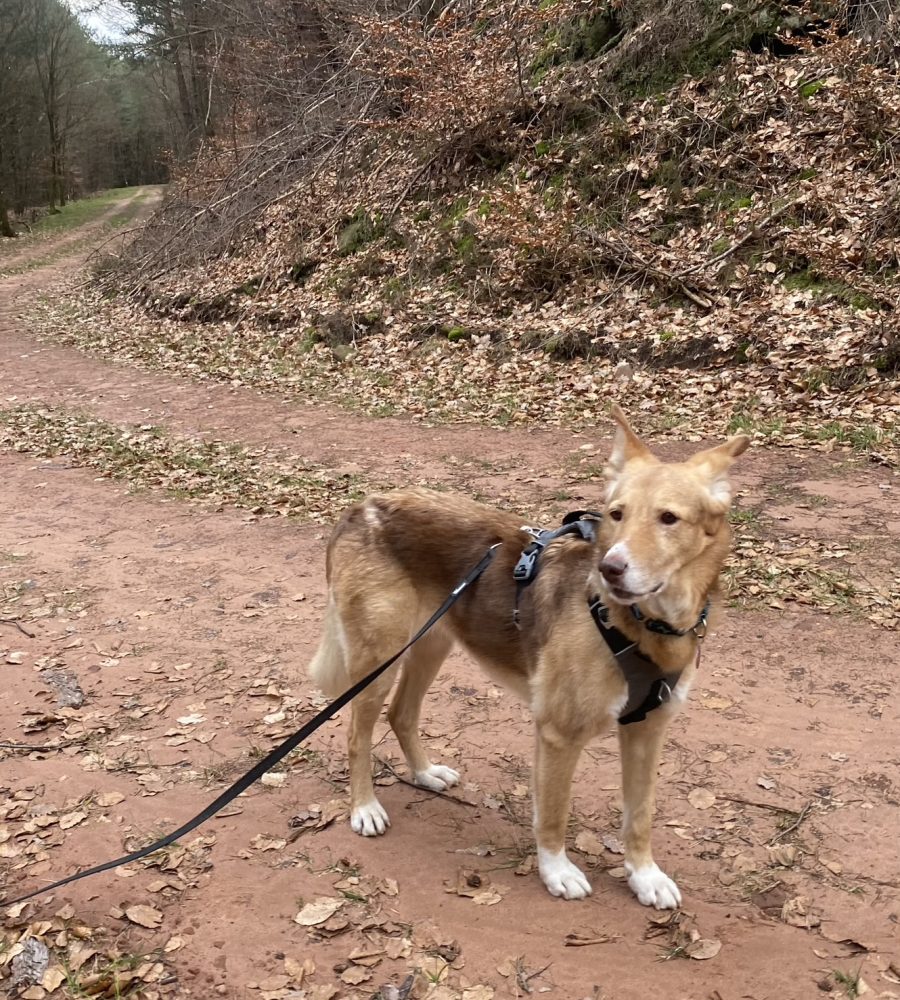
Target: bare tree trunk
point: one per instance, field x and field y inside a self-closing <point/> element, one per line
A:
<point x="5" y="228"/>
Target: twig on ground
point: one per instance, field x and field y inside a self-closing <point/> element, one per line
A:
<point x="801" y="816"/>
<point x="753" y="231"/>
<point x="48" y="748"/>
<point x="422" y="788"/>
<point x="758" y="805"/>
<point x="18" y="625"/>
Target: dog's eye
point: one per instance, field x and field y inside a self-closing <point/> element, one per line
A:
<point x="616" y="515"/>
<point x="667" y="517"/>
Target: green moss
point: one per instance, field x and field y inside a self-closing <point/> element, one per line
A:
<point x="457" y="333"/>
<point x="579" y="40"/>
<point x="812" y="88"/>
<point x="358" y="231"/>
<point x="808" y="279"/>
<point x="455" y="212"/>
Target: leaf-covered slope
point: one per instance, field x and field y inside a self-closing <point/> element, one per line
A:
<point x="511" y="206"/>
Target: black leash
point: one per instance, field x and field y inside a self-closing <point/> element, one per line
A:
<point x="281" y="751"/>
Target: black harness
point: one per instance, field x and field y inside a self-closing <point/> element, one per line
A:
<point x="648" y="686"/>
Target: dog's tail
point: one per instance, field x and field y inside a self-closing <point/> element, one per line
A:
<point x="328" y="668"/>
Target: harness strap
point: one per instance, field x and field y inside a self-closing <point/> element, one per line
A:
<point x="527" y="566"/>
<point x="281" y="751"/>
<point x="648" y="686"/>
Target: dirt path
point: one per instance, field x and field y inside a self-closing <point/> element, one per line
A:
<point x="188" y="631"/>
<point x="34" y="249"/>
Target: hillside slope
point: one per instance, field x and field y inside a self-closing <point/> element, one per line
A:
<point x="694" y="204"/>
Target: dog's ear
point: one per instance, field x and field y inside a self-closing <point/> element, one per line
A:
<point x="627" y="446"/>
<point x="715" y="463"/>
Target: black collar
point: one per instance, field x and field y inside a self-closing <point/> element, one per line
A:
<point x="660" y="627"/>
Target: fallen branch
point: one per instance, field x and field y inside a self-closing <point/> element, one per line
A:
<point x="19" y="626"/>
<point x="626" y="257"/>
<point x="754" y="231"/>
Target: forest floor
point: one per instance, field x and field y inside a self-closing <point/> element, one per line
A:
<point x="162" y="572"/>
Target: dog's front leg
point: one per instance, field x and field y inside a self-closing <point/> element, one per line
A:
<point x="641" y="747"/>
<point x="554" y="766"/>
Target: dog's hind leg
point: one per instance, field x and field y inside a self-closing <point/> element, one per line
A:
<point x="420" y="667"/>
<point x="641" y="747"/>
<point x="554" y="766"/>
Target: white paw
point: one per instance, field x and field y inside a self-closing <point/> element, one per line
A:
<point x="437" y="778"/>
<point x="369" y="820"/>
<point x="653" y="887"/>
<point x="561" y="877"/>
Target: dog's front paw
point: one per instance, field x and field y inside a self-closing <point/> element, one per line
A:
<point x="653" y="887"/>
<point x="369" y="820"/>
<point x="561" y="877"/>
<point x="437" y="778"/>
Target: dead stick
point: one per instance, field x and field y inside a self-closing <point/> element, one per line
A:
<point x="422" y="788"/>
<point x="754" y="231"/>
<point x="758" y="805"/>
<point x="804" y="812"/>
<point x="12" y="621"/>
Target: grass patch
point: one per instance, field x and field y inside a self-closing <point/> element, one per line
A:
<point x="74" y="214"/>
<point x="116" y="221"/>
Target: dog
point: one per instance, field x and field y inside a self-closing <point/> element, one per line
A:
<point x="659" y="548"/>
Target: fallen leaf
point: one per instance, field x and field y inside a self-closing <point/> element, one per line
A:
<point x="766" y="783"/>
<point x="703" y="948"/>
<point x="355" y="975"/>
<point x="145" y="916"/>
<point x="796" y="912"/>
<point x="79" y="953"/>
<point x="589" y="843"/>
<point x="527" y="865"/>
<point x="298" y="971"/>
<point x="277" y="982"/>
<point x="701" y="798"/>
<point x="782" y="854"/>
<point x="173" y="944"/>
<point x="396" y="948"/>
<point x="53" y="978"/>
<point x="107" y="799"/>
<point x="318" y="911"/>
<point x="71" y="819"/>
<point x="264" y="842"/>
<point x="575" y="939"/>
<point x="716" y="704"/>
<point x="613" y="844"/>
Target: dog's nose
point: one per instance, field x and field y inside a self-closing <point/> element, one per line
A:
<point x="613" y="567"/>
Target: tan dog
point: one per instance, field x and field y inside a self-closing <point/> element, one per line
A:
<point x="393" y="558"/>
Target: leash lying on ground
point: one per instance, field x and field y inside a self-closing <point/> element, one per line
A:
<point x="281" y="751"/>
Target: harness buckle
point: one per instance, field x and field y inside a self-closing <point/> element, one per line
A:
<point x="663" y="692"/>
<point x="526" y="566"/>
<point x="700" y="629"/>
<point x="600" y="613"/>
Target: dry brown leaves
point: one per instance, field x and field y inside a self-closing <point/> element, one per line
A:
<point x="43" y="956"/>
